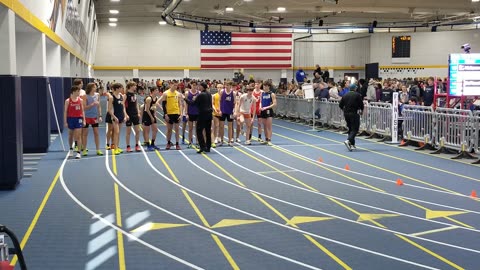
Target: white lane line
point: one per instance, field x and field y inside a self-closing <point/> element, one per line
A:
<point x="372" y="176"/>
<point x="267" y="172"/>
<point x="111" y="225"/>
<point x="288" y="203"/>
<point x="435" y="231"/>
<point x="195" y="224"/>
<point x="364" y="188"/>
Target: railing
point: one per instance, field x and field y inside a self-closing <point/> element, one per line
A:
<point x="448" y="130"/>
<point x="418" y="123"/>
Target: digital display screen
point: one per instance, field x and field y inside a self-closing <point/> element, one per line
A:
<point x="401" y="46"/>
<point x="464" y="74"/>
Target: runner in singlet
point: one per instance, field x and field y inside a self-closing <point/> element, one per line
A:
<point x="257" y="92"/>
<point x="217" y="114"/>
<point x="116" y="109"/>
<point x="131" y="107"/>
<point x="267" y="102"/>
<point x="245" y="105"/>
<point x="149" y="119"/>
<point x="74" y="118"/>
<point x="93" y="117"/>
<point x="174" y="109"/>
<point x="191" y="111"/>
<point x="239" y="124"/>
<point x="227" y="105"/>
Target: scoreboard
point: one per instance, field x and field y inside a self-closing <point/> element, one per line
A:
<point x="401" y="49"/>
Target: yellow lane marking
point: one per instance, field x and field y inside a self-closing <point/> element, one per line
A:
<point x="121" y="249"/>
<point x="37" y="216"/>
<point x="225" y="252"/>
<point x="217" y="240"/>
<point x="157" y="226"/>
<point x="304" y="219"/>
<point x="372" y="220"/>
<point x="312" y="240"/>
<point x="118" y="214"/>
<point x="234" y="222"/>
<point x="363" y="162"/>
<point x="439" y="214"/>
<point x="430" y="252"/>
<point x="330" y="254"/>
<point x="278" y="213"/>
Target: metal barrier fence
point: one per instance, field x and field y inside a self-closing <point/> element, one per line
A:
<point x="380" y="118"/>
<point x="454" y="130"/>
<point x="449" y="130"/>
<point x="418" y="122"/>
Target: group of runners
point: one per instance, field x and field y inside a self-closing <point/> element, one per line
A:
<point x="83" y="109"/>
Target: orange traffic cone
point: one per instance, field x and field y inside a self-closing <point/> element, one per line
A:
<point x="320" y="160"/>
<point x="347" y="168"/>
<point x="399" y="182"/>
<point x="473" y="194"/>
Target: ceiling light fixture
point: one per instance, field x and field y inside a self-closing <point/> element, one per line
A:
<point x="162" y="22"/>
<point x="113" y="11"/>
<point x="114" y="0"/>
<point x="229" y="9"/>
<point x="281" y="9"/>
<point x="113" y="19"/>
<point x="112" y="24"/>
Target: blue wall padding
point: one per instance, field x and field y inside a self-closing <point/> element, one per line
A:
<point x="36" y="114"/>
<point x="56" y="84"/>
<point x="11" y="145"/>
<point x="67" y="84"/>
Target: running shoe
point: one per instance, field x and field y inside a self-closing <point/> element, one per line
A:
<point x="78" y="156"/>
<point x="269" y="143"/>
<point x="177" y="147"/>
<point x="129" y="149"/>
<point x="70" y="153"/>
<point x="107" y="147"/>
<point x="85" y="153"/>
<point x="156" y="147"/>
<point x="169" y="145"/>
<point x="137" y="148"/>
<point x="214" y="145"/>
<point x="238" y="140"/>
<point x="151" y="148"/>
<point x="348" y="145"/>
<point x="189" y="145"/>
<point x="117" y="151"/>
<point x="248" y="142"/>
<point x="99" y="153"/>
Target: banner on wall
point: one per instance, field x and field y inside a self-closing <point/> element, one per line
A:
<point x="57" y="7"/>
<point x="74" y="25"/>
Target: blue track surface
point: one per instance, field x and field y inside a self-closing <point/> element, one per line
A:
<point x="287" y="206"/>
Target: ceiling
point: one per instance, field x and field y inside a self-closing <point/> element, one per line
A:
<point x="358" y="13"/>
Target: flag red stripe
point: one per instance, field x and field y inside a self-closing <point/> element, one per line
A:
<point x="247" y="66"/>
<point x="246" y="51"/>
<point x="247" y="35"/>
<point x="261" y="43"/>
<point x="246" y="58"/>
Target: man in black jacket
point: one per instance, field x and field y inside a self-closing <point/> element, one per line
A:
<point x="204" y="123"/>
<point x="351" y="104"/>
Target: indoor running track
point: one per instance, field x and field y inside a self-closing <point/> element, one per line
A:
<point x="303" y="203"/>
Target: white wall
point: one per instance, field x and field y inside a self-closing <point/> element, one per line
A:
<point x="427" y="48"/>
<point x="30" y="54"/>
<point x="54" y="62"/>
<point x="334" y="50"/>
<point x="135" y="44"/>
<point x="147" y="44"/>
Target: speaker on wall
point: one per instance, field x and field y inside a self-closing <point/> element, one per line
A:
<point x="371" y="71"/>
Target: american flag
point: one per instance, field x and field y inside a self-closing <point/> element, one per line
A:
<point x="245" y="50"/>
